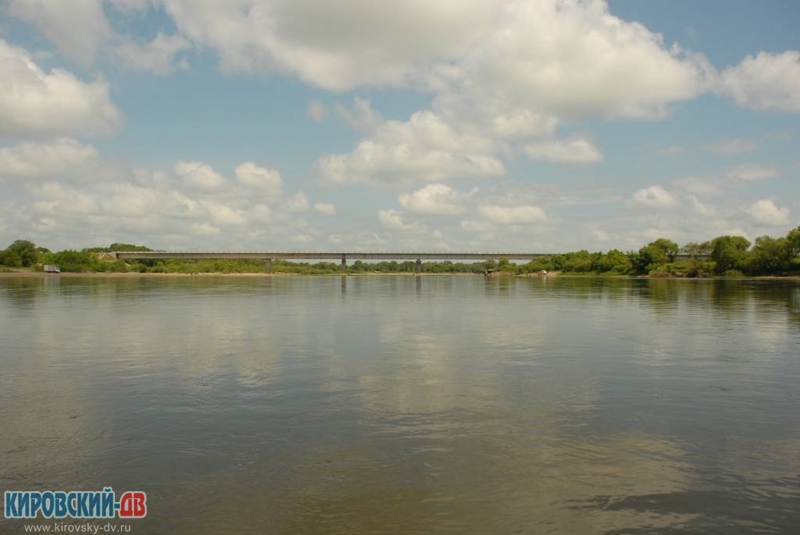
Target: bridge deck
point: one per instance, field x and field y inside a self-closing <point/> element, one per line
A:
<point x="163" y="255"/>
<point x="155" y="255"/>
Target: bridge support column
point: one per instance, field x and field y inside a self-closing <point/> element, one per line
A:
<point x="419" y="267"/>
<point x="344" y="266"/>
<point x="269" y="265"/>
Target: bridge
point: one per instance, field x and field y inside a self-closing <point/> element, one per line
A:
<point x="268" y="257"/>
<point x="343" y="257"/>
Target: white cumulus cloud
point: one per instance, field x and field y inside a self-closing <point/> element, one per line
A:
<point x="753" y="172"/>
<point x="765" y="213"/>
<point x="58" y="158"/>
<point x="425" y="148"/>
<point x="394" y="220"/>
<point x="223" y="214"/>
<point x="477" y="226"/>
<point x="156" y="56"/>
<point x="534" y="66"/>
<point x="77" y="27"/>
<point x="296" y="203"/>
<point x="654" y="197"/>
<point x="575" y="151"/>
<point x="360" y="115"/>
<point x="333" y="45"/>
<point x="573" y="59"/>
<point x="438" y="199"/>
<point x="263" y="178"/>
<point x="205" y="229"/>
<point x="765" y="81"/>
<point x="55" y="198"/>
<point x="545" y="51"/>
<point x="199" y="175"/>
<point x="513" y="215"/>
<point x="56" y="103"/>
<point x="132" y="5"/>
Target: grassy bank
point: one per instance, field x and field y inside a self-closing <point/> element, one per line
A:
<point x="725" y="256"/>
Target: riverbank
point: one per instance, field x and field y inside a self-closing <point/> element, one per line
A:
<point x="132" y="274"/>
<point x="551" y="275"/>
<point x="135" y="274"/>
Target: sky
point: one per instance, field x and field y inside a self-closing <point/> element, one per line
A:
<point x="416" y="125"/>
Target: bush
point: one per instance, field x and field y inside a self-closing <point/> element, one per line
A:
<point x="660" y="272"/>
<point x="10" y="258"/>
<point x="733" y="274"/>
<point x="74" y="261"/>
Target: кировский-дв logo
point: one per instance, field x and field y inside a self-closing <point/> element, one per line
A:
<point x="75" y="504"/>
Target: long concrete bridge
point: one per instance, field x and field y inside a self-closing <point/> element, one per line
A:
<point x="268" y="257"/>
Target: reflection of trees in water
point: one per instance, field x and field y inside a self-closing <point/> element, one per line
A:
<point x="22" y="292"/>
<point x="729" y="298"/>
<point x="587" y="289"/>
<point x="794" y="304"/>
<point x="499" y="286"/>
<point x="765" y="297"/>
<point x="661" y="295"/>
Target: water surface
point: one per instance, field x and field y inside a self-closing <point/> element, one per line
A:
<point x="408" y="405"/>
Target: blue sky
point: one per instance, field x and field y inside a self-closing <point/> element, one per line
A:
<point x="487" y="125"/>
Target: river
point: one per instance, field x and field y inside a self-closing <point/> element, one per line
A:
<point x="408" y="405"/>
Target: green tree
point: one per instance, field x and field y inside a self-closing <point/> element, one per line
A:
<point x="667" y="247"/>
<point x="578" y="262"/>
<point x="793" y="241"/>
<point x="697" y="249"/>
<point x="75" y="261"/>
<point x="653" y="255"/>
<point x="614" y="260"/>
<point x="26" y="250"/>
<point x="729" y="252"/>
<point x="10" y="258"/>
<point x="127" y="247"/>
<point x="556" y="262"/>
<point x="769" y="256"/>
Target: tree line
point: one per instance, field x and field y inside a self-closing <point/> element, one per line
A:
<point x="723" y="256"/>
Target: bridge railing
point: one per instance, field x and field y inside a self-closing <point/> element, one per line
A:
<point x="165" y="255"/>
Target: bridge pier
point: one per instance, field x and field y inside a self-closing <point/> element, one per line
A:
<point x="269" y="265"/>
<point x="344" y="266"/>
<point x="419" y="267"/>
